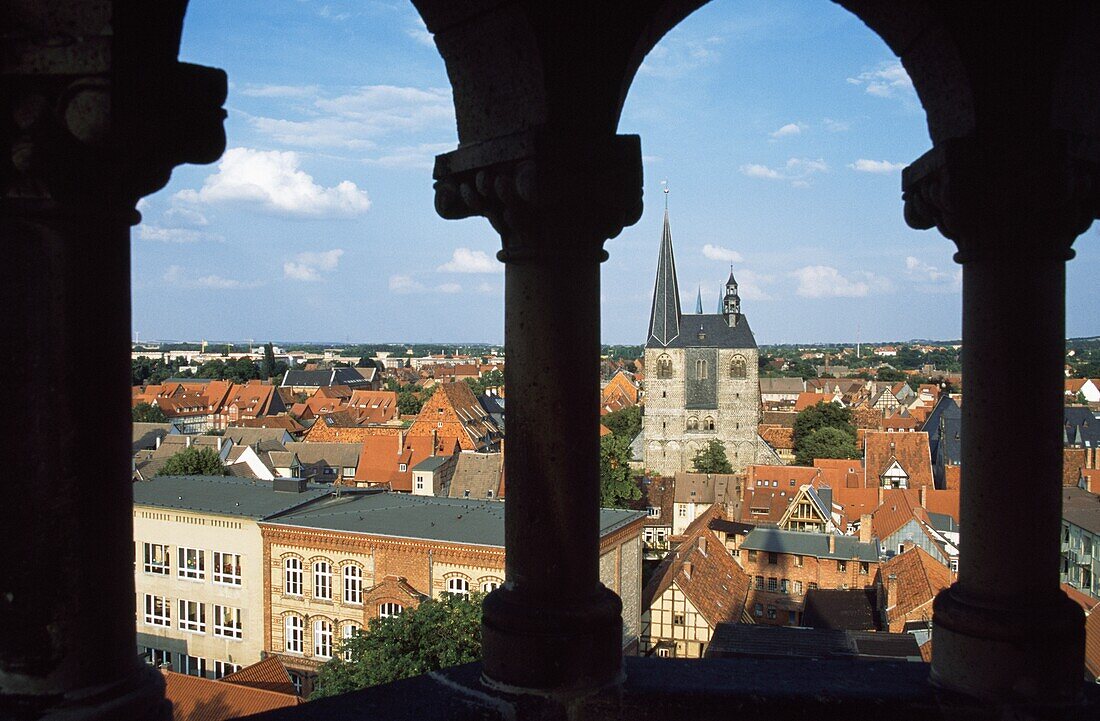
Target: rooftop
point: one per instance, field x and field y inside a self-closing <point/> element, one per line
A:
<point x="810" y="544"/>
<point x="222" y="495"/>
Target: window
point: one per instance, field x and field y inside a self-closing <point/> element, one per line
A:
<point x="771" y="612"/>
<point x="760" y="583"/>
<point x="192" y="665"/>
<point x="156" y="559"/>
<point x="798" y="588"/>
<point x="227" y="568"/>
<point x="678" y="619"/>
<point x="296" y="681"/>
<point x="784" y="585"/>
<point x="293" y="626"/>
<point x="737" y="367"/>
<point x="322" y="639"/>
<point x="798" y="561"/>
<point x="752" y="555"/>
<point x="682" y="510"/>
<point x="841" y="566"/>
<point x="192" y="616"/>
<point x="349" y="632"/>
<point x="693" y="424"/>
<point x="322" y="580"/>
<point x="792" y="618"/>
<point x="701" y="369"/>
<point x="653" y="511"/>
<point x="864" y="568"/>
<point x="813" y="585"/>
<point x="402" y="467"/>
<point x="664" y="367"/>
<point x="224" y="668"/>
<point x="758" y="609"/>
<point x="420" y="483"/>
<point x="955" y="565"/>
<point x="490" y="586"/>
<point x="390" y="610"/>
<point x="489" y="494"/>
<point x="158" y="657"/>
<point x="292" y="577"/>
<point x="708" y="424"/>
<point x="664" y="653"/>
<point x="227" y="622"/>
<point x="353" y="584"/>
<point x="773" y="558"/>
<point x="192" y="563"/>
<point x="459" y="585"/>
<point x="773" y="583"/>
<point x="158" y="611"/>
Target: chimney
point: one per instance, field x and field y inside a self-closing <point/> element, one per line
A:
<point x="924" y="496"/>
<point x="865" y="528"/>
<point x="832" y="543"/>
<point x="187" y="441"/>
<point x="891" y="591"/>
<point x="703" y="545"/>
<point x="881" y="495"/>
<point x="158" y="442"/>
<point x="400" y="442"/>
<point x="687" y="569"/>
<point x="219" y="444"/>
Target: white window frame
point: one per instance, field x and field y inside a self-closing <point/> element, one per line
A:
<point x="193" y="665"/>
<point x="390" y="610"/>
<point x="322" y="638"/>
<point x="149" y="562"/>
<point x="227" y="574"/>
<point x="653" y="511"/>
<point x="152" y="617"/>
<point x="191" y="563"/>
<point x="293" y="634"/>
<point x="192" y="622"/>
<point x="459" y="586"/>
<point x="353" y="585"/>
<point x="292" y="577"/>
<point x="348" y="632"/>
<point x="491" y="585"/>
<point x="224" y="668"/>
<point x="322" y="581"/>
<point x="420" y="483"/>
<point x="228" y="622"/>
<point x="158" y="656"/>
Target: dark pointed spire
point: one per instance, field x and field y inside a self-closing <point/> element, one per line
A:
<point x="664" y="321"/>
<point x="699" y="302"/>
<point x="732" y="281"/>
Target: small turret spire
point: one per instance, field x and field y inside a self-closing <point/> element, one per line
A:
<point x="699" y="301"/>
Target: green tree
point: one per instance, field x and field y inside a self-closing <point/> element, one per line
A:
<point x="146" y="413"/>
<point x="826" y="442"/>
<point x="267" y="369"/>
<point x="890" y="375"/>
<point x="435" y="635"/>
<point x="194" y="461"/>
<point x="712" y="458"/>
<point x="625" y="422"/>
<point x="408" y="403"/>
<point x="822" y="415"/>
<point x="617" y="484"/>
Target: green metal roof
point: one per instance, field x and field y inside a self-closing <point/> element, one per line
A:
<point x="222" y="495"/>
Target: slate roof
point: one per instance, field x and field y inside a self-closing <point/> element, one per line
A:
<point x="145" y="435"/>
<point x="854" y="609"/>
<point x="478" y="473"/>
<point x="1081" y="427"/>
<point x="334" y="455"/>
<point x="222" y="495"/>
<point x="741" y="640"/>
<point x="402" y="515"/>
<point x="664" y="318"/>
<point x="1081" y="508"/>
<point x="716" y="332"/>
<point x="341" y="376"/>
<point x="704" y="487"/>
<point x="810" y="544"/>
<point x="250" y="436"/>
<point x="202" y="699"/>
<point x="782" y="385"/>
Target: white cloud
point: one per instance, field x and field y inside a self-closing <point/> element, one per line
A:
<point x="419" y="33"/>
<point x="271" y="180"/>
<point x="485" y="288"/>
<point x="823" y="281"/>
<point x="676" y="55"/>
<point x="411" y="156"/>
<point x="836" y="126"/>
<point x="864" y="165"/>
<point x="187" y="216"/>
<point x="788" y="130"/>
<point x="449" y="288"/>
<point x="175" y="235"/>
<point x="279" y="91"/>
<point x="307" y="266"/>
<point x="750" y="285"/>
<point x="176" y="276"/>
<point x="464" y="260"/>
<point x="796" y="170"/>
<point x="930" y="279"/>
<point x="404" y="284"/>
<point x="888" y="80"/>
<point x="717" y="252"/>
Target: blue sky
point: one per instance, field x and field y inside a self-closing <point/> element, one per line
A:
<point x="781" y="128"/>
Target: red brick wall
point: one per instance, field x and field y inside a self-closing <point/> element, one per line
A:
<point x="823" y="572"/>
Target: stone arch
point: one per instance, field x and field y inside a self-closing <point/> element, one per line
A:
<point x="664" y="366"/>
<point x="738" y="367"/>
<point x="692" y="423"/>
<point x="708" y="423"/>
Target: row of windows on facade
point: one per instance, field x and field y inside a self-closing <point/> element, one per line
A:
<point x="294" y="633"/>
<point x="227" y="620"/>
<point x="738" y="368"/>
<point x="156" y="559"/>
<point x="799" y="561"/>
<point x="294" y="575"/>
<point x="190" y="665"/>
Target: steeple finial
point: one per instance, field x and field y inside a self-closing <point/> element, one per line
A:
<point x="664" y="185"/>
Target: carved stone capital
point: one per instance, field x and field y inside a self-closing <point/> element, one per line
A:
<point x="95" y="118"/>
<point x="1030" y="203"/>
<point x="546" y="194"/>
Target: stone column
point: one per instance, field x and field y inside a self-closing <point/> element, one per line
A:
<point x="1005" y="631"/>
<point x="79" y="154"/>
<point x="553" y="627"/>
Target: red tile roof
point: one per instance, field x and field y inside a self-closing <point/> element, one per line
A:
<point x="381" y="458"/>
<point x="201" y="699"/>
<point x="910" y="450"/>
<point x="919" y="578"/>
<point x="373" y="406"/>
<point x="269" y="675"/>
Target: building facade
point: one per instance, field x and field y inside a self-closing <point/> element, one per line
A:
<point x="701" y="377"/>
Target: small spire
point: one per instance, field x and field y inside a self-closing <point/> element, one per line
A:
<point x="699" y="301"/>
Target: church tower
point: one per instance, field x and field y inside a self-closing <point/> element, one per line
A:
<point x="701" y="379"/>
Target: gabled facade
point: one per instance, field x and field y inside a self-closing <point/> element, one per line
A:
<point x="453" y="411"/>
<point x="809" y="512"/>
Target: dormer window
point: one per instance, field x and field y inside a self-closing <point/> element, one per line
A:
<point x="403" y="467"/>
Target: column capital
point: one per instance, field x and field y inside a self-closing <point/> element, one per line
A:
<point x="93" y="120"/>
<point x="534" y="185"/>
<point x="1030" y="201"/>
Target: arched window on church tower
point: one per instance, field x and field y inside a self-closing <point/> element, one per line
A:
<point x="664" y="367"/>
<point x="701" y="369"/>
<point x="693" y="424"/>
<point x="737" y="367"/>
<point x="708" y="424"/>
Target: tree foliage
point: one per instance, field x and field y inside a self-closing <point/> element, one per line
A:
<point x="267" y="367"/>
<point x="492" y="379"/>
<point x="146" y="413"/>
<point x="617" y="484"/>
<point x="712" y="458"/>
<point x="435" y="635"/>
<point x="194" y="461"/>
<point x="821" y="415"/>
<point x="625" y="422"/>
<point x="408" y="403"/>
<point x="826" y="442"/>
